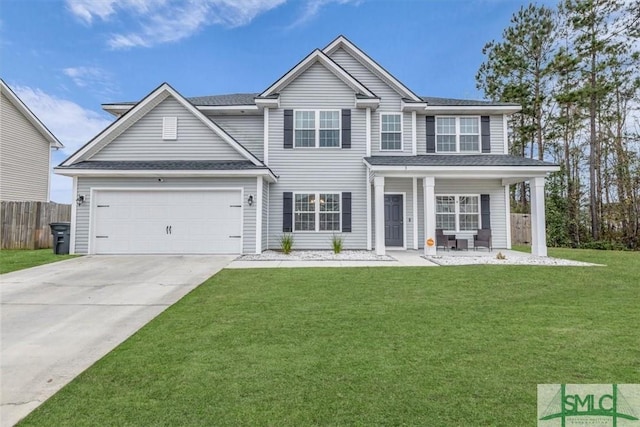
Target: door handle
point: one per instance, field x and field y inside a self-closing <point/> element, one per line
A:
<point x="169" y="229"/>
<point x="166" y="230"/>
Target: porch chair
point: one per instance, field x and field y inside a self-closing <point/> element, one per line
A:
<point x="444" y="241"/>
<point x="482" y="239"/>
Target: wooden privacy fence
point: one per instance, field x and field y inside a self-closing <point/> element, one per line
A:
<point x="25" y="225"/>
<point x="520" y="229"/>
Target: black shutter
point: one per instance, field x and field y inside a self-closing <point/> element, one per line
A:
<point x="485" y="122"/>
<point x="346" y="212"/>
<point x="431" y="134"/>
<point x="287" y="212"/>
<point x="346" y="128"/>
<point x="288" y="128"/>
<point x="485" y="211"/>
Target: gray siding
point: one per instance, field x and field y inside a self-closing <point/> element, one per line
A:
<point x="494" y="188"/>
<point x="314" y="169"/>
<point x="86" y="184"/>
<point x="24" y="157"/>
<point x="143" y="140"/>
<point x="497" y="134"/>
<point x="390" y="101"/>
<point x="248" y="130"/>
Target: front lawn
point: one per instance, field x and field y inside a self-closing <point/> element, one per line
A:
<point x="445" y="346"/>
<point x="19" y="259"/>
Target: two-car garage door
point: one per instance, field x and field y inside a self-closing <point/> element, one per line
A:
<point x="167" y="221"/>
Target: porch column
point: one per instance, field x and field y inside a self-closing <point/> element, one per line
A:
<point x="378" y="183"/>
<point x="429" y="184"/>
<point x="538" y="231"/>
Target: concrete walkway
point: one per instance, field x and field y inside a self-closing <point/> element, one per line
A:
<point x="409" y="258"/>
<point x="58" y="319"/>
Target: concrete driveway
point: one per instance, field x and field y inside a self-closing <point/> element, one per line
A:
<point x="58" y="319"/>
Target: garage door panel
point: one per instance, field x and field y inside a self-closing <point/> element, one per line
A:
<point x="171" y="221"/>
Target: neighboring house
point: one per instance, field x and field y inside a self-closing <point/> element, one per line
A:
<point x="336" y="146"/>
<point x="25" y="151"/>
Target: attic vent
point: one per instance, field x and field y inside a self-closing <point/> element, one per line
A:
<point x="170" y="128"/>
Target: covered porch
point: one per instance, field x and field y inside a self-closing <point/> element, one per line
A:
<point x="409" y="197"/>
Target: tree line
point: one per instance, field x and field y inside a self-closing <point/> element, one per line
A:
<point x="575" y="69"/>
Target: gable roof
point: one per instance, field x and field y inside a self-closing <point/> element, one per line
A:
<point x="28" y="114"/>
<point x="317" y="56"/>
<point x="140" y="109"/>
<point x="342" y="42"/>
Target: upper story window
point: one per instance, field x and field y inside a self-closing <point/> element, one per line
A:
<point x="391" y="132"/>
<point x="317" y="128"/>
<point x="458" y="213"/>
<point x="457" y="134"/>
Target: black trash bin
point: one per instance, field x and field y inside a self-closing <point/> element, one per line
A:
<point x="61" y="232"/>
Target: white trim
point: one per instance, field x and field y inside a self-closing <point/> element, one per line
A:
<point x="129" y="119"/>
<point x="265" y="136"/>
<point x="429" y="196"/>
<point x="507" y="204"/>
<point x="258" y="204"/>
<point x="92" y="210"/>
<point x="367" y="102"/>
<point x="538" y="231"/>
<point x="387" y="113"/>
<point x="473" y="109"/>
<point x="505" y="133"/>
<point x="458" y="134"/>
<point x="318" y="128"/>
<point x="28" y="114"/>
<point x="267" y="102"/>
<point x="268" y="210"/>
<point x="159" y="173"/>
<point x="404" y="218"/>
<point x="316" y="56"/>
<point x="414" y="134"/>
<point x="415" y="213"/>
<point x="498" y="171"/>
<point x="74" y="215"/>
<point x="367" y="119"/>
<point x="369" y="63"/>
<point x="317" y="212"/>
<point x="369" y="213"/>
<point x="49" y="172"/>
<point x="412" y="106"/>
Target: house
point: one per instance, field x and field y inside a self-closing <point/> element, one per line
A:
<point x="25" y="151"/>
<point x="336" y="146"/>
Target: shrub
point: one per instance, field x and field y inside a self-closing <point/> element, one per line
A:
<point x="286" y="243"/>
<point x="336" y="244"/>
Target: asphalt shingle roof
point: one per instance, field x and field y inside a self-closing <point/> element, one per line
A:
<point x="455" y="160"/>
<point x="166" y="165"/>
<point x="248" y="99"/>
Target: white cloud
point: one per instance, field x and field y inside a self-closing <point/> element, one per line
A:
<point x="72" y="124"/>
<point x="165" y="21"/>
<point x="92" y="78"/>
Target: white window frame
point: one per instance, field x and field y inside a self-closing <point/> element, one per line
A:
<point x="401" y="130"/>
<point x="458" y="213"/>
<point x="316" y="194"/>
<point x="458" y="133"/>
<point x="317" y="129"/>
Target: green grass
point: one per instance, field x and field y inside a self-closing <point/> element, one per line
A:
<point x="445" y="346"/>
<point x="19" y="259"/>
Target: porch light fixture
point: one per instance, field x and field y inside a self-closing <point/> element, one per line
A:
<point x="250" y="200"/>
<point x="80" y="200"/>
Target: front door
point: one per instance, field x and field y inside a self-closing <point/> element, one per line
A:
<point x="393" y="226"/>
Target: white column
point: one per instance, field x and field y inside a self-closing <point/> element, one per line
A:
<point x="429" y="184"/>
<point x="507" y="203"/>
<point x="367" y="127"/>
<point x="415" y="213"/>
<point x="266" y="136"/>
<point x="538" y="231"/>
<point x="378" y="183"/>
<point x="369" y="213"/>
<point x="258" y="203"/>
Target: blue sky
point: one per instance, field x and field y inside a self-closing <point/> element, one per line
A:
<point x="65" y="58"/>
